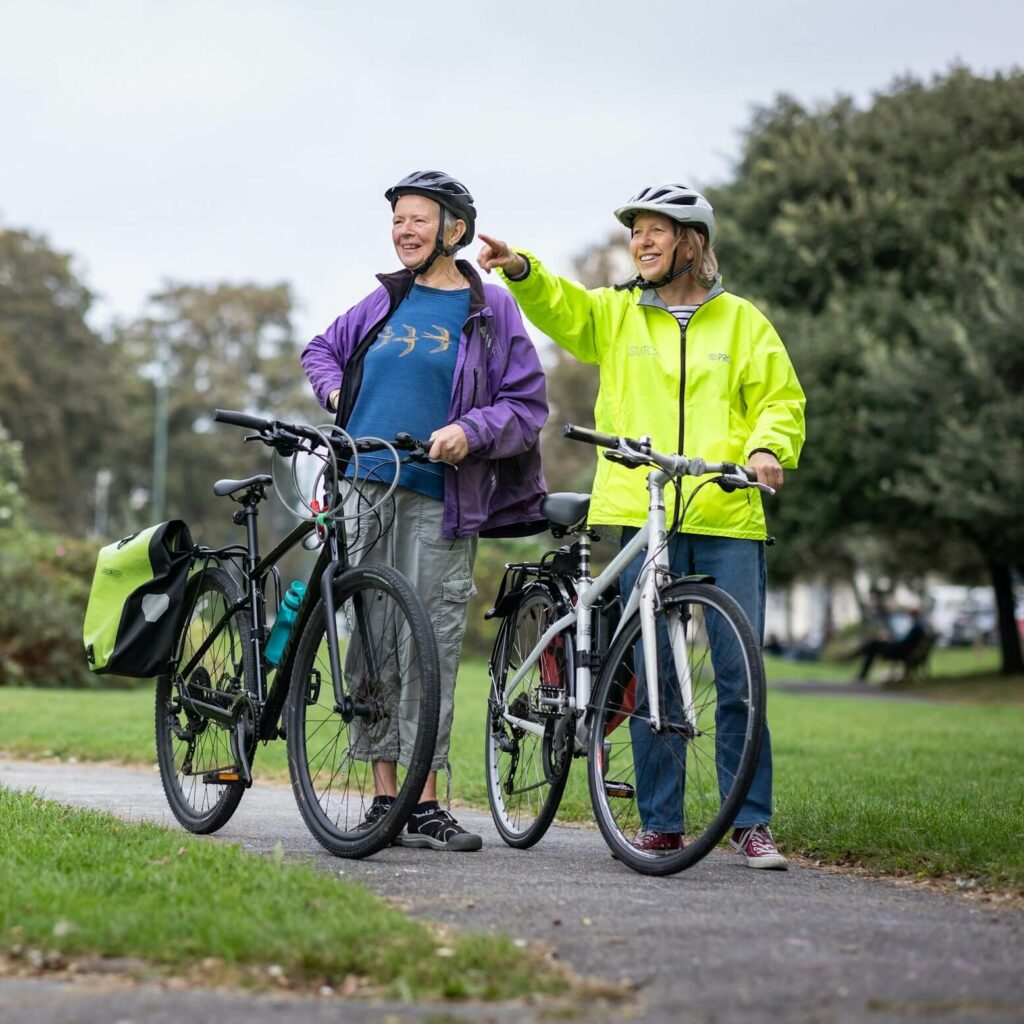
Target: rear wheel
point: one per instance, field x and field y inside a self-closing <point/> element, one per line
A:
<point x="693" y="775"/>
<point x="389" y="666"/>
<point x="198" y="766"/>
<point x="529" y="736"/>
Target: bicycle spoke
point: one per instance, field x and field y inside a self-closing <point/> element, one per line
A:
<point x="690" y="775"/>
<point x="191" y="748"/>
<point x="526" y="775"/>
<point x="389" y="683"/>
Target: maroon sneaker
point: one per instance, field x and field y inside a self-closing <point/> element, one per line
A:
<point x="757" y="846"/>
<point x="660" y="843"/>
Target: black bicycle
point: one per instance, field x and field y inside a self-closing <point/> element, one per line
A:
<point x="360" y="660"/>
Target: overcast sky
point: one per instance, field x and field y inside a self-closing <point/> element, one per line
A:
<point x="206" y="141"/>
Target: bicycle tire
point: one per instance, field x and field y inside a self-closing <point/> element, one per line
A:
<point x="389" y="661"/>
<point x="729" y="726"/>
<point x="526" y="773"/>
<point x="193" y="750"/>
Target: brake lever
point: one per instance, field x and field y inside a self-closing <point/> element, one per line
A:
<point x="623" y="460"/>
<point x="418" y="451"/>
<point x="730" y="483"/>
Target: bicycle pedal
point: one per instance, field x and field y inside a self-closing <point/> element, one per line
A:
<point x="623" y="790"/>
<point x="221" y="778"/>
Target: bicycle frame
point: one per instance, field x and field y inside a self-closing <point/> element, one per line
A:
<point x="332" y="560"/>
<point x="654" y="574"/>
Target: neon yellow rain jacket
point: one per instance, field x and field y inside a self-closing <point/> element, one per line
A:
<point x="740" y="391"/>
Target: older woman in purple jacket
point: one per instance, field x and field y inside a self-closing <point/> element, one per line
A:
<point x="436" y="353"/>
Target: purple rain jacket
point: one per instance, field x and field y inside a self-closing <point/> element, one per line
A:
<point x="499" y="398"/>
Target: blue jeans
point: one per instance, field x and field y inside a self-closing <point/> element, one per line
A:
<point x="739" y="569"/>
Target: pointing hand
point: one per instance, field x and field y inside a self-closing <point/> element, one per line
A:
<point x="496" y="253"/>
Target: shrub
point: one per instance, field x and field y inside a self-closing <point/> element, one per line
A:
<point x="44" y="588"/>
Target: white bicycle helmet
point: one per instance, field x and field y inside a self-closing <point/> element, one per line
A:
<point x="679" y="202"/>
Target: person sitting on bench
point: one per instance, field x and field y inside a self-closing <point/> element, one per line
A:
<point x="902" y="649"/>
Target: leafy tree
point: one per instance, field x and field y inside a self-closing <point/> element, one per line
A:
<point x="12" y="472"/>
<point x="61" y="390"/>
<point x="220" y="346"/>
<point x="886" y="244"/>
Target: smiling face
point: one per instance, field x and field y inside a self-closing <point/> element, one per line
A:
<point x="652" y="243"/>
<point x="414" y="224"/>
<point x="414" y="228"/>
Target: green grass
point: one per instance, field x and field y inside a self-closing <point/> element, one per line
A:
<point x="944" y="662"/>
<point x="95" y="725"/>
<point x="894" y="786"/>
<point x="83" y="883"/>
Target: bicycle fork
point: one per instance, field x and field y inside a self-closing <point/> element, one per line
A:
<point x="655" y="568"/>
<point x="344" y="704"/>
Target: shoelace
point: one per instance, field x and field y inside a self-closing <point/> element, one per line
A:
<point x="757" y="841"/>
<point x="442" y="819"/>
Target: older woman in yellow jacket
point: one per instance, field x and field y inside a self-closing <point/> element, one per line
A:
<point x="703" y="372"/>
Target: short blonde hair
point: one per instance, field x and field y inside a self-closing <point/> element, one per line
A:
<point x="705" y="262"/>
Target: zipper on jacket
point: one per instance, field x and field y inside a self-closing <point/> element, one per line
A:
<point x="678" y="517"/>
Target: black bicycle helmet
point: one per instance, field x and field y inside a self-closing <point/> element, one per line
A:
<point x="443" y="189"/>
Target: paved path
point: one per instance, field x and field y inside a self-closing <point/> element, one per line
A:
<point x="717" y="943"/>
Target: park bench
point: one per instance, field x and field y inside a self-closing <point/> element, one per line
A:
<point x="913" y="658"/>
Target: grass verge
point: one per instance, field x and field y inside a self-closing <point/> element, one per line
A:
<point x="81" y="883"/>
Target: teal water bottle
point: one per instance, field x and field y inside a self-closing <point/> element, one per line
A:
<point x="286" y="616"/>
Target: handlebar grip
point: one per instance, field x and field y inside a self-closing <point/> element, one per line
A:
<point x="748" y="473"/>
<point x="241" y="419"/>
<point x="588" y="436"/>
<point x="301" y="430"/>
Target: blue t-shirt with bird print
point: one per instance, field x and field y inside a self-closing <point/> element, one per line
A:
<point x="407" y="382"/>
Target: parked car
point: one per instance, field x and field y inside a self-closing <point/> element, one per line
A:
<point x="974" y="625"/>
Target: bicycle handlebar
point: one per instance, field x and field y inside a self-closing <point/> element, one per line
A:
<point x="272" y="428"/>
<point x="279" y="433"/>
<point x="241" y="419"/>
<point x="595" y="437"/>
<point x="635" y="453"/>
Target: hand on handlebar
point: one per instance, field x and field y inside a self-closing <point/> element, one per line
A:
<point x="449" y="444"/>
<point x="767" y="468"/>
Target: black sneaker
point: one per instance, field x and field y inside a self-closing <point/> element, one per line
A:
<point x="434" y="829"/>
<point x="378" y="809"/>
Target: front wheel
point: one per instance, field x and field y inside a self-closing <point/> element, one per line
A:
<point x="529" y="734"/>
<point x="339" y="753"/>
<point x="690" y="776"/>
<point x="198" y="764"/>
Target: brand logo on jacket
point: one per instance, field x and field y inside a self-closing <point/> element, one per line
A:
<point x="719" y="357"/>
<point x="487" y="334"/>
<point x="642" y="350"/>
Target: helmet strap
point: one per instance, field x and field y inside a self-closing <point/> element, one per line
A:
<point x="672" y="272"/>
<point x="440" y="249"/>
<point x="671" y="275"/>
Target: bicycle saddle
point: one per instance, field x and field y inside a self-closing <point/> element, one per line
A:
<point x="565" y="509"/>
<point x="222" y="487"/>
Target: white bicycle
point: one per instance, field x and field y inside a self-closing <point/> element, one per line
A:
<point x="570" y="677"/>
